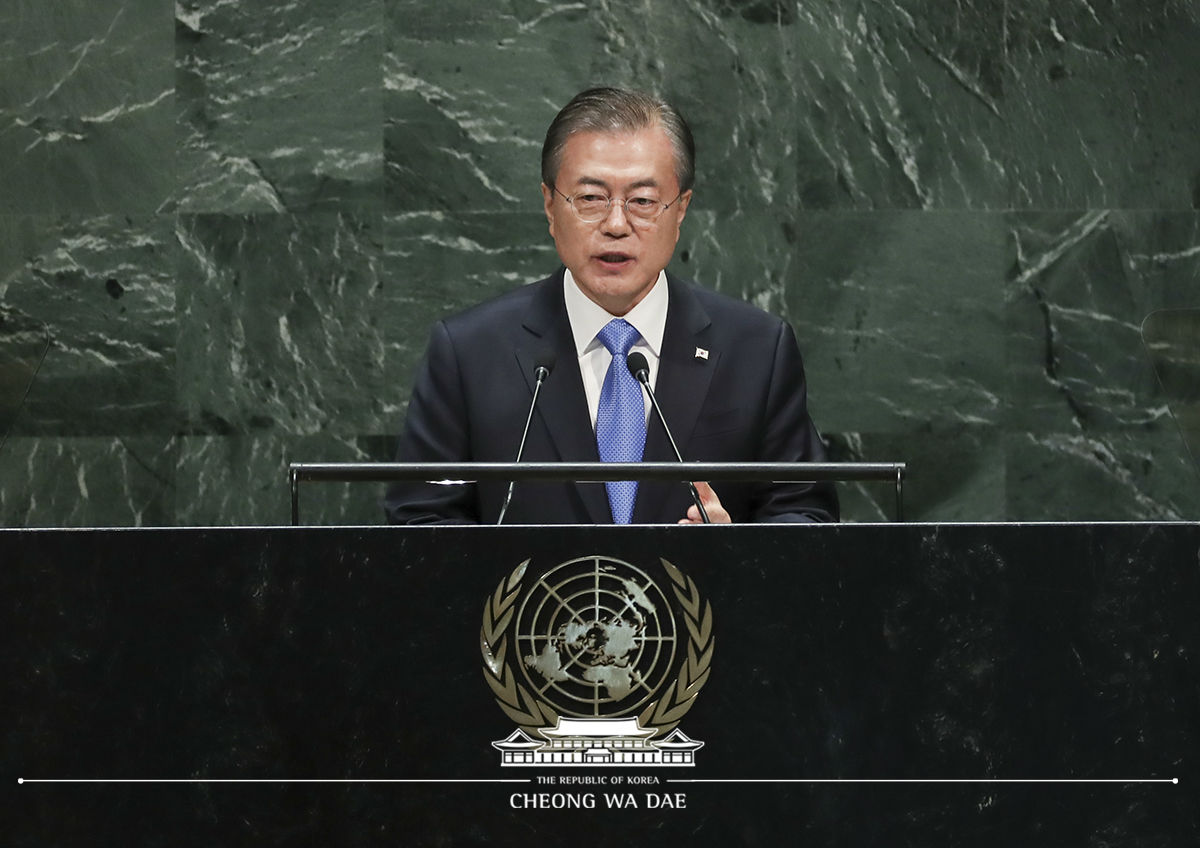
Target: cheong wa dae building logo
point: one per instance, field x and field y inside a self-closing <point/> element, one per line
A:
<point x="593" y="665"/>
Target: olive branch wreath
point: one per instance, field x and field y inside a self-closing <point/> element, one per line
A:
<point x="530" y="713"/>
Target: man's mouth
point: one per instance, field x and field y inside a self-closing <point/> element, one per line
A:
<point x="614" y="258"/>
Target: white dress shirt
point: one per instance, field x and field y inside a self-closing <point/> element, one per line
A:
<point x="587" y="319"/>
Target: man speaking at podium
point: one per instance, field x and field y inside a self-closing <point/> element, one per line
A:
<point x="617" y="174"/>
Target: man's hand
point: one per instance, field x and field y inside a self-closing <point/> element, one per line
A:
<point x="712" y="505"/>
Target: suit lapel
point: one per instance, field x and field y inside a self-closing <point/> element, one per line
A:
<point x="562" y="404"/>
<point x="681" y="388"/>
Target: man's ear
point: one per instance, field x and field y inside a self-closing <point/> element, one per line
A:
<point x="683" y="201"/>
<point x="547" y="203"/>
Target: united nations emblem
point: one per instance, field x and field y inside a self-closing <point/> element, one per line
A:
<point x="591" y="663"/>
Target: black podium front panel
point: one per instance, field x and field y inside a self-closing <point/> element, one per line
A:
<point x="852" y="685"/>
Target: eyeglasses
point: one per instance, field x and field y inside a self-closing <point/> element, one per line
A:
<point x="591" y="207"/>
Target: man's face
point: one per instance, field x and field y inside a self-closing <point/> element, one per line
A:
<point x="615" y="261"/>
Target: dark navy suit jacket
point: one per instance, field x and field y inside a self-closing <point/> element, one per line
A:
<point x="746" y="402"/>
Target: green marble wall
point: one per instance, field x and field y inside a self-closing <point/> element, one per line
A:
<point x="226" y="227"/>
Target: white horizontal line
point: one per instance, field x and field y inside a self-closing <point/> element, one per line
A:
<point x="933" y="780"/>
<point x="1172" y="780"/>
<point x="266" y="780"/>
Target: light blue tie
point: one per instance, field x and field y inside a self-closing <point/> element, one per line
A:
<point x="621" y="416"/>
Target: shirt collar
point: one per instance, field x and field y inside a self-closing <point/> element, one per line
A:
<point x="588" y="318"/>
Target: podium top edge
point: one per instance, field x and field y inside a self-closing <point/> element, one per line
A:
<point x="596" y="471"/>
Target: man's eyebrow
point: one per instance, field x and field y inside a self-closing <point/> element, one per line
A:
<point x="648" y="182"/>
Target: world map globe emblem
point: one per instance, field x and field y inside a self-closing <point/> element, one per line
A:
<point x="596" y="637"/>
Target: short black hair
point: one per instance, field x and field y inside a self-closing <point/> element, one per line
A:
<point x="615" y="110"/>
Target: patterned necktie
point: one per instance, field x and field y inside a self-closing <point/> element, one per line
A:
<point x="621" y="416"/>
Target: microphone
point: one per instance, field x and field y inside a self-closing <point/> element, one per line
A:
<point x="545" y="364"/>
<point x="640" y="369"/>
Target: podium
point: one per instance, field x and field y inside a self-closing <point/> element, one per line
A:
<point x="990" y="685"/>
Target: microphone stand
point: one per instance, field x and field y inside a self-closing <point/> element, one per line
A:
<point x="640" y="370"/>
<point x="540" y="374"/>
